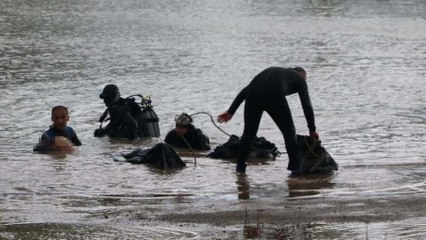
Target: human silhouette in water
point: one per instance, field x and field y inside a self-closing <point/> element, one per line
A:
<point x="124" y="115"/>
<point x="267" y="92"/>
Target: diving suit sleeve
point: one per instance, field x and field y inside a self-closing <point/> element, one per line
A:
<point x="74" y="139"/>
<point x="308" y="110"/>
<point x="237" y="101"/>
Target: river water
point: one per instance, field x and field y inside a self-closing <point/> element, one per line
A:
<point x="366" y="73"/>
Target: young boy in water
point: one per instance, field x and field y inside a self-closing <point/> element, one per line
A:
<point x="59" y="137"/>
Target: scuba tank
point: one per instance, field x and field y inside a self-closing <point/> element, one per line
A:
<point x="148" y="121"/>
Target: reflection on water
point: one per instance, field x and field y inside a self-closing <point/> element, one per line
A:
<point x="298" y="186"/>
<point x="81" y="231"/>
<point x="309" y="185"/>
<point x="398" y="230"/>
<point x="365" y="62"/>
<point x="243" y="187"/>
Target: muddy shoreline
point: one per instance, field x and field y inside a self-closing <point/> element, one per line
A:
<point x="395" y="216"/>
<point x="389" y="208"/>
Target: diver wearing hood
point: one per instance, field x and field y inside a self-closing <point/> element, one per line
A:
<point x="185" y="133"/>
<point x="123" y="115"/>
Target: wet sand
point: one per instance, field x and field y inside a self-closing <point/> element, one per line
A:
<point x="388" y="208"/>
<point x="305" y="215"/>
<point x="307" y="207"/>
<point x="389" y="217"/>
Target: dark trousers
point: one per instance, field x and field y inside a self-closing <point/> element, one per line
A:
<point x="277" y="107"/>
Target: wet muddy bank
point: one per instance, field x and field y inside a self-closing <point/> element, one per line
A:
<point x="179" y="215"/>
<point x="383" y="209"/>
<point x="397" y="217"/>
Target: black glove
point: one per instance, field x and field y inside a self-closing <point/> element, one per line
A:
<point x="99" y="132"/>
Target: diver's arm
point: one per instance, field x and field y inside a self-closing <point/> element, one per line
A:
<point x="308" y="110"/>
<point x="100" y="132"/>
<point x="226" y="116"/>
<point x="237" y="101"/>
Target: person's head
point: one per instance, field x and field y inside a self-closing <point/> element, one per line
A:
<point x="110" y="94"/>
<point x="300" y="71"/>
<point x="183" y="122"/>
<point x="60" y="117"/>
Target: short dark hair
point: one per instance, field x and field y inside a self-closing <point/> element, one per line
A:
<point x="59" y="107"/>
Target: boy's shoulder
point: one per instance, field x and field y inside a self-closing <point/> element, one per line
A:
<point x="52" y="131"/>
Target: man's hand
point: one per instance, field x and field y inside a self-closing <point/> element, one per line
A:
<point x="99" y="132"/>
<point x="224" y="117"/>
<point x="314" y="135"/>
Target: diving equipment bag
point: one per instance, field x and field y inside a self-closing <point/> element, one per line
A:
<point x="314" y="157"/>
<point x="161" y="156"/>
<point x="261" y="148"/>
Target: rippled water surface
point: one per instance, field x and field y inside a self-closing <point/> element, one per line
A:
<point x="366" y="73"/>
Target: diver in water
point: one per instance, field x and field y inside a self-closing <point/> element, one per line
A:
<point x="267" y="92"/>
<point x="185" y="133"/>
<point x="59" y="137"/>
<point x="124" y="114"/>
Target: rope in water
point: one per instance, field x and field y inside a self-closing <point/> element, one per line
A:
<point x="189" y="145"/>
<point x="211" y="117"/>
<point x="212" y="120"/>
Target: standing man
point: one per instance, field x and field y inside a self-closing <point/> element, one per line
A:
<point x="267" y="92"/>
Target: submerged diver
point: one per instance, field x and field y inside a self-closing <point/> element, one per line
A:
<point x="185" y="133"/>
<point x="59" y="137"/>
<point x="123" y="114"/>
<point x="267" y="92"/>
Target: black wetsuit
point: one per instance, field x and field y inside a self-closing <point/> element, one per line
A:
<point x="124" y="120"/>
<point x="267" y="92"/>
<point x="195" y="137"/>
